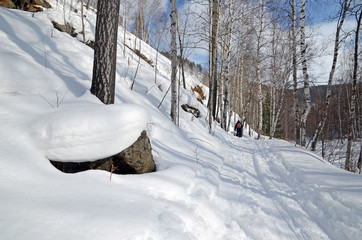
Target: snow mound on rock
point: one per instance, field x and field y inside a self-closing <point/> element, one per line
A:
<point x="88" y="132"/>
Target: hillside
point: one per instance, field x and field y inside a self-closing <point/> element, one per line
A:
<point x="207" y="186"/>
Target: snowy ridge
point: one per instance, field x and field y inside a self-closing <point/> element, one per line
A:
<point x="206" y="186"/>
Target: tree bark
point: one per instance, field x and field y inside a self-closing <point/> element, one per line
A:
<point x="227" y="66"/>
<point x="359" y="163"/>
<point x="258" y="74"/>
<point x="124" y="24"/>
<point x="181" y="53"/>
<point x="295" y="80"/>
<point x="173" y="63"/>
<point x="105" y="50"/>
<point x="82" y="13"/>
<point x="214" y="37"/>
<point x="306" y="89"/>
<point x="352" y="112"/>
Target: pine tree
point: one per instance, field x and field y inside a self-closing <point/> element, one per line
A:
<point x="105" y="50"/>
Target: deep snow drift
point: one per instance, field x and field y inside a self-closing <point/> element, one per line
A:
<point x="206" y="187"/>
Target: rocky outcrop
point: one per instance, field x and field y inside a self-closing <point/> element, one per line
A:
<point x="194" y="111"/>
<point x="7" y="4"/>
<point x="26" y="5"/>
<point x="198" y="93"/>
<point x="67" y="28"/>
<point x="136" y="159"/>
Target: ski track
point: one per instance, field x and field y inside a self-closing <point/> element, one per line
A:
<point x="270" y="169"/>
<point x="259" y="173"/>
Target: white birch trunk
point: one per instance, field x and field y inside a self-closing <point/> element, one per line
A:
<point x="214" y="37"/>
<point x="352" y="113"/>
<point x="82" y="13"/>
<point x="306" y="89"/>
<point x="124" y="28"/>
<point x="174" y="81"/>
<point x="295" y="82"/>
<point x="227" y="65"/>
<point x="181" y="52"/>
<point x="258" y="75"/>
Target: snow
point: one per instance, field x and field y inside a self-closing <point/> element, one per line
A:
<point x="207" y="186"/>
<point x="79" y="133"/>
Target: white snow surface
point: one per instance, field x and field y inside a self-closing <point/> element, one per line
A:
<point x="207" y="186"/>
<point x="80" y="133"/>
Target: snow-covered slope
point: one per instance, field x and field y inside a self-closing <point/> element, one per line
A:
<point x="206" y="187"/>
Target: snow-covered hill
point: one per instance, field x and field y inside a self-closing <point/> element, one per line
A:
<point x="206" y="186"/>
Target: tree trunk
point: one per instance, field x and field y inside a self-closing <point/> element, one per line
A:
<point x="214" y="43"/>
<point x="105" y="50"/>
<point x="352" y="111"/>
<point x="214" y="37"/>
<point x="359" y="163"/>
<point x="345" y="7"/>
<point x="258" y="75"/>
<point x="273" y="91"/>
<point x="173" y="63"/>
<point x="124" y="24"/>
<point x="306" y="89"/>
<point x="227" y="66"/>
<point x="295" y="82"/>
<point x="181" y="53"/>
<point x="82" y="13"/>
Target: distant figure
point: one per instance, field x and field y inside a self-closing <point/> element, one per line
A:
<point x="239" y="128"/>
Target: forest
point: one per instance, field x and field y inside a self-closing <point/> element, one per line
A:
<point x="262" y="60"/>
<point x="261" y="63"/>
<point x="79" y="90"/>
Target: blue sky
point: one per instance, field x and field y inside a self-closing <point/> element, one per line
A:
<point x="321" y="10"/>
<point x="317" y="11"/>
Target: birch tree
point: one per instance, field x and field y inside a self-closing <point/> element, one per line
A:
<point x="105" y="50"/>
<point x="306" y="89"/>
<point x="173" y="63"/>
<point x="213" y="53"/>
<point x="352" y="111"/>
<point x="181" y="52"/>
<point x="343" y="12"/>
<point x="295" y="79"/>
<point x="258" y="65"/>
<point x="82" y="13"/>
<point x="228" y="41"/>
<point x="280" y="73"/>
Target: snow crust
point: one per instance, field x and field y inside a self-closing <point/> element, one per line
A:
<point x="210" y="186"/>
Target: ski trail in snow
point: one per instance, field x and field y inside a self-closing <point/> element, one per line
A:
<point x="316" y="197"/>
<point x="280" y="209"/>
<point x="238" y="195"/>
<point x="268" y="166"/>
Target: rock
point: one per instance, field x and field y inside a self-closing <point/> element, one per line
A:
<point x="7" y="4"/>
<point x="191" y="109"/>
<point x="198" y="93"/>
<point x="67" y="28"/>
<point x="136" y="159"/>
<point x="26" y="5"/>
<point x="138" y="156"/>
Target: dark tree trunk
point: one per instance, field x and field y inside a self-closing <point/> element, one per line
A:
<point x="105" y="50"/>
